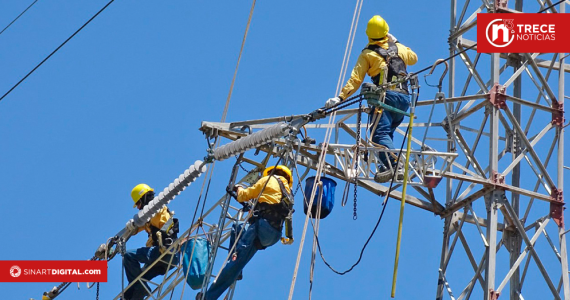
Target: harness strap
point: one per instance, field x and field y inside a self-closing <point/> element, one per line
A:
<point x="275" y="214"/>
<point x="388" y="55"/>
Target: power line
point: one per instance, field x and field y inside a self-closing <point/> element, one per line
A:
<point x="56" y="49"/>
<point x="25" y="10"/>
<point x="547" y="8"/>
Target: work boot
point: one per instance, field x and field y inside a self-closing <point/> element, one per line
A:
<point x="383" y="175"/>
<point x="400" y="174"/>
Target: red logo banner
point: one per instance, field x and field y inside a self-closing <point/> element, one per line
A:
<point x="53" y="271"/>
<point x="520" y="33"/>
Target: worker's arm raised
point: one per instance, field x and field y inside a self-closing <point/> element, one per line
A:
<point x="408" y="56"/>
<point x="251" y="192"/>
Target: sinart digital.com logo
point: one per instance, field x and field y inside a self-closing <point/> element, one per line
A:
<point x="15" y="271"/>
<point x="500" y="32"/>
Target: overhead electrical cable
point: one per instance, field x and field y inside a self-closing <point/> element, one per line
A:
<point x="25" y="10"/>
<point x="56" y="49"/>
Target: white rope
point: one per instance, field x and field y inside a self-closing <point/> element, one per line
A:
<point x="322" y="158"/>
<point x="237" y="65"/>
<point x="316" y="229"/>
<point x="226" y="107"/>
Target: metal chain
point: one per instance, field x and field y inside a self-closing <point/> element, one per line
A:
<point x="357" y="156"/>
<point x="97" y="297"/>
<point x="343" y="104"/>
<point x="296" y="189"/>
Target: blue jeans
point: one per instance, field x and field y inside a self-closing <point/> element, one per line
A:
<point x="145" y="255"/>
<point x="245" y="249"/>
<point x="389" y="121"/>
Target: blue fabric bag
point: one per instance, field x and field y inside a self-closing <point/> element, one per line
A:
<point x="327" y="202"/>
<point x="198" y="263"/>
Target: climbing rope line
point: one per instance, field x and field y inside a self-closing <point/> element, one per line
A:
<point x="224" y="115"/>
<point x="56" y="49"/>
<point x="238" y="61"/>
<point x="384" y="202"/>
<point x="315" y="225"/>
<point x="322" y="158"/>
<point x="348" y="49"/>
<point x="25" y="10"/>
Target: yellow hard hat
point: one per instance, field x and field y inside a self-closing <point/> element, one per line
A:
<point x="284" y="169"/>
<point x="377" y="28"/>
<point x="139" y="191"/>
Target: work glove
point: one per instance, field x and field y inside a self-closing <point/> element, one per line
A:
<point x="332" y="102"/>
<point x="239" y="185"/>
<point x="131" y="225"/>
<point x="246" y="206"/>
<point x="392" y="39"/>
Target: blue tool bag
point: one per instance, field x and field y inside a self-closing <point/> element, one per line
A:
<point x="327" y="202"/>
<point x="197" y="262"/>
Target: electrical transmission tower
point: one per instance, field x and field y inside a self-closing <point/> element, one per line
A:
<point x="488" y="158"/>
<point x="503" y="202"/>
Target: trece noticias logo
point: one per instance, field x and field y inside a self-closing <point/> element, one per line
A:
<point x="519" y="33"/>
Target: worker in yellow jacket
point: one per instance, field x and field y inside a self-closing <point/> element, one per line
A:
<point x="156" y="244"/>
<point x="382" y="47"/>
<point x="263" y="228"/>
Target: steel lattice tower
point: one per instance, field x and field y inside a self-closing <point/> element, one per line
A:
<point x="521" y="185"/>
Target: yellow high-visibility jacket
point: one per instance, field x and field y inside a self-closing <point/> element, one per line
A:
<point x="271" y="194"/>
<point x="371" y="63"/>
<point x="157" y="221"/>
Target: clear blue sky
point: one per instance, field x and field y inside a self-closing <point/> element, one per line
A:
<point x="122" y="102"/>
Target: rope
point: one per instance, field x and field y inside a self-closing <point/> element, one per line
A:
<point x="316" y="225"/>
<point x="237" y="65"/>
<point x="324" y="148"/>
<point x="56" y="49"/>
<point x="347" y="51"/>
<point x="226" y="107"/>
<point x="373" y="230"/>
<point x="25" y="10"/>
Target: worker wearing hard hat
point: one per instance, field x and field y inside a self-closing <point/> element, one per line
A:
<point x="264" y="226"/>
<point x="163" y="223"/>
<point x="382" y="47"/>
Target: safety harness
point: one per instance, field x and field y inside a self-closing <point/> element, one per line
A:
<point x="166" y="235"/>
<point x="396" y="66"/>
<point x="276" y="214"/>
